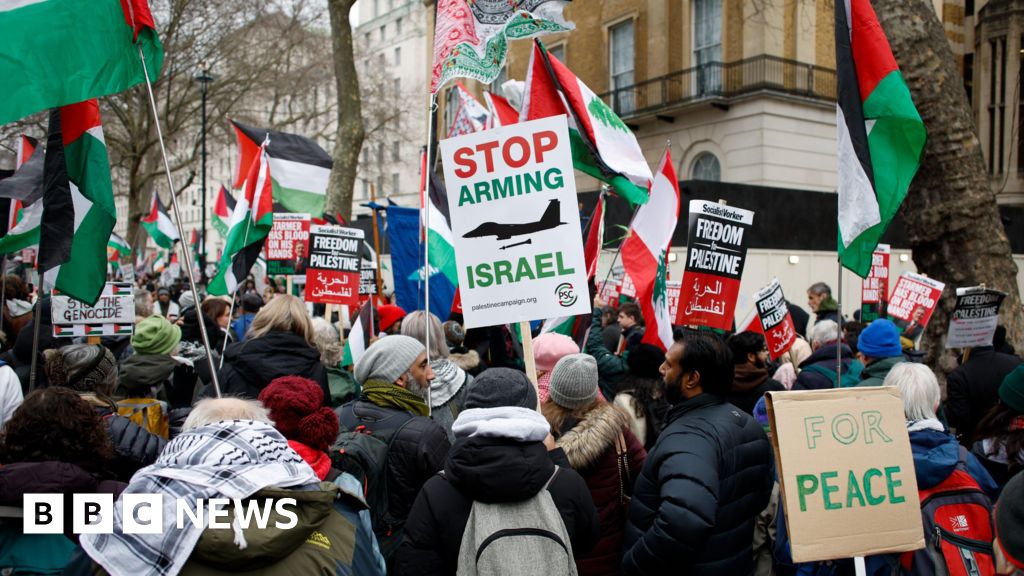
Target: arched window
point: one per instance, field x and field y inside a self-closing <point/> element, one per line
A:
<point x="706" y="167"/>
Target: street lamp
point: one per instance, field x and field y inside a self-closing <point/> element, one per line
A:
<point x="204" y="78"/>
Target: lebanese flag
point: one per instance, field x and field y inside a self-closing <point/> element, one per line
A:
<point x="645" y="250"/>
<point x="159" y="225"/>
<point x="222" y="211"/>
<point x="502" y="113"/>
<point x="881" y="136"/>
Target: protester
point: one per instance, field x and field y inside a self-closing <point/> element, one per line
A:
<point x="641" y="394"/>
<point x="90" y="371"/>
<point x="820" y="301"/>
<point x="597" y="440"/>
<point x="610" y="329"/>
<point x="390" y="319"/>
<point x="251" y="305"/>
<point x="296" y="407"/>
<point x="280" y="343"/>
<point x="230" y="450"/>
<point x="751" y="380"/>
<point x="548" y="349"/>
<point x="632" y="323"/>
<point x="164" y="306"/>
<point x="216" y="315"/>
<point x="1009" y="525"/>
<point x="611" y="368"/>
<point x="395" y="375"/>
<point x="503" y="455"/>
<point x="851" y="334"/>
<point x="972" y="389"/>
<point x="450" y="385"/>
<point x="1000" y="434"/>
<point x="54" y="444"/>
<point x="143" y="304"/>
<point x="464" y="357"/>
<point x="186" y="300"/>
<point x="800" y="318"/>
<point x="153" y="370"/>
<point x="879" y="349"/>
<point x="818" y="371"/>
<point x="787" y="372"/>
<point x="340" y="382"/>
<point x="19" y="358"/>
<point x="707" y="478"/>
<point x="11" y="393"/>
<point x="17" y="311"/>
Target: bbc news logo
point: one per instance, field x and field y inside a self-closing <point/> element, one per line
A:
<point x="144" y="513"/>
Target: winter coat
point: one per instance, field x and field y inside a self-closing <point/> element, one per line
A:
<point x="749" y="385"/>
<point x="448" y="392"/>
<point x="712" y="465"/>
<point x="826" y="358"/>
<point x="633" y="336"/>
<point x="250" y="365"/>
<point x="241" y="326"/>
<point x="973" y="388"/>
<point x="10" y="393"/>
<point x="134" y="446"/>
<point x="468" y="360"/>
<point x="828" y="309"/>
<point x="936" y="455"/>
<point x="157" y="376"/>
<point x="874" y="374"/>
<point x="590" y="448"/>
<point x="800" y="318"/>
<point x="342" y="384"/>
<point x="610" y="368"/>
<point x="489" y="470"/>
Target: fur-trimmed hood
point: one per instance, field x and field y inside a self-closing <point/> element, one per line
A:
<point x="593" y="436"/>
<point x="468" y="360"/>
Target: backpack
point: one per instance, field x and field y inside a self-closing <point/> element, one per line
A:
<point x="361" y="449"/>
<point x="848" y="380"/>
<point x="957" y="528"/>
<point x="149" y="413"/>
<point x="516" y="539"/>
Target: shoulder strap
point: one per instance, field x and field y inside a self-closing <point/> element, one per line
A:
<point x="552" y="479"/>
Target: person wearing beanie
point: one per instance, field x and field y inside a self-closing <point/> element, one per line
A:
<point x="503" y="453"/>
<point x="600" y="445"/>
<point x="1009" y="524"/>
<point x="164" y="306"/>
<point x="186" y="300"/>
<point x="153" y="370"/>
<point x="1000" y="434"/>
<point x="395" y="376"/>
<point x="296" y="407"/>
<point x="450" y="385"/>
<point x="390" y="319"/>
<point x="463" y="356"/>
<point x="879" y="349"/>
<point x="641" y="394"/>
<point x="548" y="349"/>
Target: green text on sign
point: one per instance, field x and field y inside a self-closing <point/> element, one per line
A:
<point x="547" y="265"/>
<point x="872" y="488"/>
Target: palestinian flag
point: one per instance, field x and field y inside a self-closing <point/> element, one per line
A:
<point x="196" y="242"/>
<point x="439" y="235"/>
<point x="471" y="116"/>
<point x="299" y="167"/>
<point x="222" y="211"/>
<point x="501" y="112"/>
<point x="118" y="248"/>
<point x="881" y="135"/>
<point x="358" y="337"/>
<point x="159" y="225"/>
<point x="602" y="145"/>
<point x="645" y="250"/>
<point x="23" y="193"/>
<point x="59" y="52"/>
<point x="247" y="230"/>
<point x="78" y="203"/>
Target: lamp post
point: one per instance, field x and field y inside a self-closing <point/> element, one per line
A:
<point x="204" y="78"/>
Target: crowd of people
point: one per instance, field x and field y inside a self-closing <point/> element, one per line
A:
<point x="615" y="457"/>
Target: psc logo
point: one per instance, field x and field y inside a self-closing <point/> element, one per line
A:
<point x="566" y="294"/>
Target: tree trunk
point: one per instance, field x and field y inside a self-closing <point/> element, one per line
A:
<point x="951" y="215"/>
<point x="349" y="141"/>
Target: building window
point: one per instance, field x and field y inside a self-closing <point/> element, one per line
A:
<point x="395" y="188"/>
<point x="398" y="26"/>
<point x="396" y="151"/>
<point x="621" y="66"/>
<point x="706" y="167"/>
<point x="366" y="39"/>
<point x="376" y="8"/>
<point x="558" y="52"/>
<point x="366" y="188"/>
<point x="398" y="56"/>
<point x="383" y="33"/>
<point x="380" y="156"/>
<point x="996" y="104"/>
<point x="380" y="185"/>
<point x="707" y="44"/>
<point x="398" y="86"/>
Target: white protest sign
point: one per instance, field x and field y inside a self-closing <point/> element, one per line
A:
<point x="113" y="314"/>
<point x="975" y="317"/>
<point x="515" y="223"/>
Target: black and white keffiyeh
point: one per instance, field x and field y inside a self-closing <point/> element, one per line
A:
<point x="229" y="459"/>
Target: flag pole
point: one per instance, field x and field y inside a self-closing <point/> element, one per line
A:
<point x="177" y="220"/>
<point x="839" y="342"/>
<point x="619" y="249"/>
<point x="431" y="127"/>
<point x="3" y="291"/>
<point x="36" y="321"/>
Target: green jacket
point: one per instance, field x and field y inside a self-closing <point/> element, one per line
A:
<point x="874" y="374"/>
<point x="610" y="368"/>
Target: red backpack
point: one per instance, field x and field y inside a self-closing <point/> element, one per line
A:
<point x="958" y="528"/>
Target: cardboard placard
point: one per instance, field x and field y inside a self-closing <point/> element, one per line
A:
<point x="714" y="264"/>
<point x="975" y="317"/>
<point x="672" y="290"/>
<point x="515" y="223"/>
<point x="333" y="268"/>
<point x="368" y="278"/>
<point x="113" y="314"/>
<point x="287" y="246"/>
<point x="874" y="290"/>
<point x="776" y="322"/>
<point x="846" y="472"/>
<point x="912" y="302"/>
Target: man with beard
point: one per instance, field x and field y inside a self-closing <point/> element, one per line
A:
<point x="395" y="376"/>
<point x="705" y="481"/>
<point x="751" y="380"/>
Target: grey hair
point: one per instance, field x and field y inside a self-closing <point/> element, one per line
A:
<point x="143" y="309"/>
<point x="327" y="341"/>
<point x="414" y="326"/>
<point x="819" y="288"/>
<point x="919" y="388"/>
<point x="210" y="410"/>
<point x="824" y="332"/>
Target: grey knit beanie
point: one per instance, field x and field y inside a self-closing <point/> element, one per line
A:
<point x="574" y="381"/>
<point x="500" y="387"/>
<point x="388" y="358"/>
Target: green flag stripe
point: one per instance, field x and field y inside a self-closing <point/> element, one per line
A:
<point x="299" y="200"/>
<point x="442" y="257"/>
<point x="583" y="161"/>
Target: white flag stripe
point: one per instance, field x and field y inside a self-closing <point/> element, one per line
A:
<point x="858" y="206"/>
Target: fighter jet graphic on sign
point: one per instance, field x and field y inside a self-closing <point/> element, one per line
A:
<point x="549" y="220"/>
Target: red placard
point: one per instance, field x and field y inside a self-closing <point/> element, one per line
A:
<point x="776" y="322"/>
<point x="874" y="292"/>
<point x="672" y="290"/>
<point x="334" y="265"/>
<point x="912" y="303"/>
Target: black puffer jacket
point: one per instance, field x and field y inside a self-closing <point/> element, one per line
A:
<point x="489" y="470"/>
<point x="713" y="464"/>
<point x="134" y="447"/>
<point x="973" y="389"/>
<point x="250" y="365"/>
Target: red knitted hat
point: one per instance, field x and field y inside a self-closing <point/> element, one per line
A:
<point x="389" y="314"/>
<point x="296" y="407"/>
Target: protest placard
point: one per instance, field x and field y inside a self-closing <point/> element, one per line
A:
<point x="672" y="290"/>
<point x="287" y="244"/>
<point x="333" y="268"/>
<point x="846" y="472"/>
<point x="627" y="288"/>
<point x="608" y="291"/>
<point x="714" y="264"/>
<point x="515" y="223"/>
<point x="874" y="291"/>
<point x="912" y="302"/>
<point x="112" y="315"/>
<point x="368" y="278"/>
<point x="975" y="317"/>
<point x="776" y="322"/>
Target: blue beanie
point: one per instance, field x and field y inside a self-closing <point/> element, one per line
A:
<point x="881" y="339"/>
